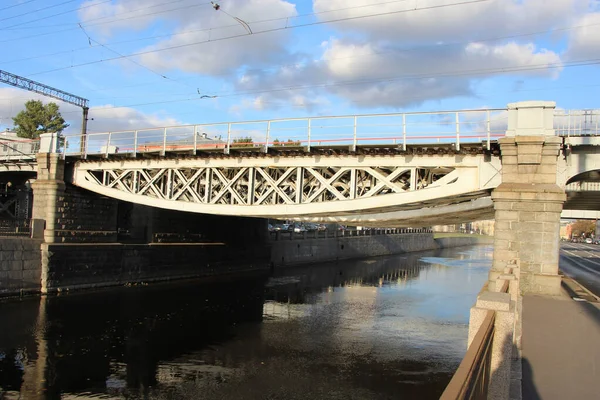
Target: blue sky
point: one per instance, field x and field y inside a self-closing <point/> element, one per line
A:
<point x="145" y="63"/>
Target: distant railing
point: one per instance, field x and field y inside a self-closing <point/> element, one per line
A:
<point x="583" y="187"/>
<point x="577" y="122"/>
<point x="398" y="129"/>
<point x="328" y="234"/>
<point x="15" y="227"/>
<point x="18" y="150"/>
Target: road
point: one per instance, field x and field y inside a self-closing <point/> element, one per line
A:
<point x="581" y="262"/>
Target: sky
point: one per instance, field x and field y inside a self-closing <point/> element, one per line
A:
<point x="145" y="63"/>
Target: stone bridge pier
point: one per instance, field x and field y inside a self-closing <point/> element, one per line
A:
<point x="528" y="202"/>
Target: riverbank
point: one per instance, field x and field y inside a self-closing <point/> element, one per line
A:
<point x="31" y="267"/>
<point x="301" y="251"/>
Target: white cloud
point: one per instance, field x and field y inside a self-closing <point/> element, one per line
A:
<point x="204" y="40"/>
<point x="412" y="52"/>
<point x="584" y="42"/>
<point x="416" y="21"/>
<point x="374" y="75"/>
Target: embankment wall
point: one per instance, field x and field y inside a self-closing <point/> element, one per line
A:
<point x="302" y="251"/>
<point x="20" y="265"/>
<point x="80" y="266"/>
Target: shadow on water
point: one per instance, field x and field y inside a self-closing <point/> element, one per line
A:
<point x="368" y="329"/>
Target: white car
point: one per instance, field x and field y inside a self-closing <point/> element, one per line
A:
<point x="589" y="241"/>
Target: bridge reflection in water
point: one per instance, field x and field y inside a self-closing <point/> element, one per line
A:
<point x="369" y="329"/>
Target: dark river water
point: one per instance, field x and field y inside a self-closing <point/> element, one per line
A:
<point x="383" y="328"/>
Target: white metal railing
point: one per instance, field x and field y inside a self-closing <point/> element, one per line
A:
<point x="583" y="187"/>
<point x="577" y="122"/>
<point x="18" y="150"/>
<point x="399" y="129"/>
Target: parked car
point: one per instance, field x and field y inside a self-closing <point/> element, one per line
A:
<point x="311" y="227"/>
<point x="589" y="240"/>
<point x="299" y="228"/>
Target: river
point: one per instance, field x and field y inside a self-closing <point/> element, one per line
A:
<point x="382" y="328"/>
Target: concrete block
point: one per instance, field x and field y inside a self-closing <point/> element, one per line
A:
<point x="505" y="234"/>
<point x="503" y="225"/>
<point x="529" y="158"/>
<point x="553" y="207"/>
<point x="531" y="140"/>
<point x="476" y="317"/>
<point x="494" y="301"/>
<point x="531" y="230"/>
<point x="527" y="169"/>
<point x="500" y="366"/>
<point x="507" y="215"/>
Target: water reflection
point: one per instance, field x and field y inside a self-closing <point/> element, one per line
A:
<point x="379" y="328"/>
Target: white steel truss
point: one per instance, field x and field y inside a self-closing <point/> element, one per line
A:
<point x="292" y="187"/>
<point x="268" y="185"/>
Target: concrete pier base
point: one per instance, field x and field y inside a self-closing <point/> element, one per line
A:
<point x="528" y="203"/>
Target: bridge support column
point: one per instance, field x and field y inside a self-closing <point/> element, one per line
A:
<point x="528" y="203"/>
<point x="47" y="189"/>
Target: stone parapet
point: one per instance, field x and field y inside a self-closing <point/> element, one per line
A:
<point x="529" y="201"/>
<point x="20" y="266"/>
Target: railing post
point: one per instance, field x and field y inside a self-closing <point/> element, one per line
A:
<point x="457" y="132"/>
<point x="268" y="134"/>
<point x="403" y="132"/>
<point x="228" y="146"/>
<point x="107" y="145"/>
<point x="354" y="140"/>
<point x="164" y="151"/>
<point x="195" y="139"/>
<point x="135" y="143"/>
<point x="308" y="144"/>
<point x="85" y="145"/>
<point x="489" y="134"/>
<point x="66" y="144"/>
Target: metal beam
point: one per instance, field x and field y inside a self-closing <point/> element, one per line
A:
<point x="37" y="87"/>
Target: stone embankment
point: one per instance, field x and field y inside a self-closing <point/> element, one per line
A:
<point x="20" y="266"/>
<point x="30" y="266"/>
<point x="289" y="251"/>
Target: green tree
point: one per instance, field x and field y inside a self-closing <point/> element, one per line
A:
<point x="38" y="118"/>
<point x="244" y="141"/>
<point x="289" y="142"/>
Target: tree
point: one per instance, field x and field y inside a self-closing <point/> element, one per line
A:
<point x="244" y="141"/>
<point x="582" y="227"/>
<point x="289" y="142"/>
<point x="38" y="118"/>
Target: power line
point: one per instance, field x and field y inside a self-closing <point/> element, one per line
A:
<point x="262" y="32"/>
<point x="56" y="15"/>
<point x="17" y="5"/>
<point x="90" y="40"/>
<point x="450" y="74"/>
<point x="414" y="48"/>
<point x="39" y="9"/>
<point x="100" y="23"/>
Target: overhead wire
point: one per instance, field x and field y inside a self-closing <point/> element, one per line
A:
<point x="39" y="9"/>
<point x="90" y="40"/>
<point x="17" y="5"/>
<point x="260" y="32"/>
<point x="86" y="23"/>
<point x="385" y="79"/>
<point x="57" y="14"/>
